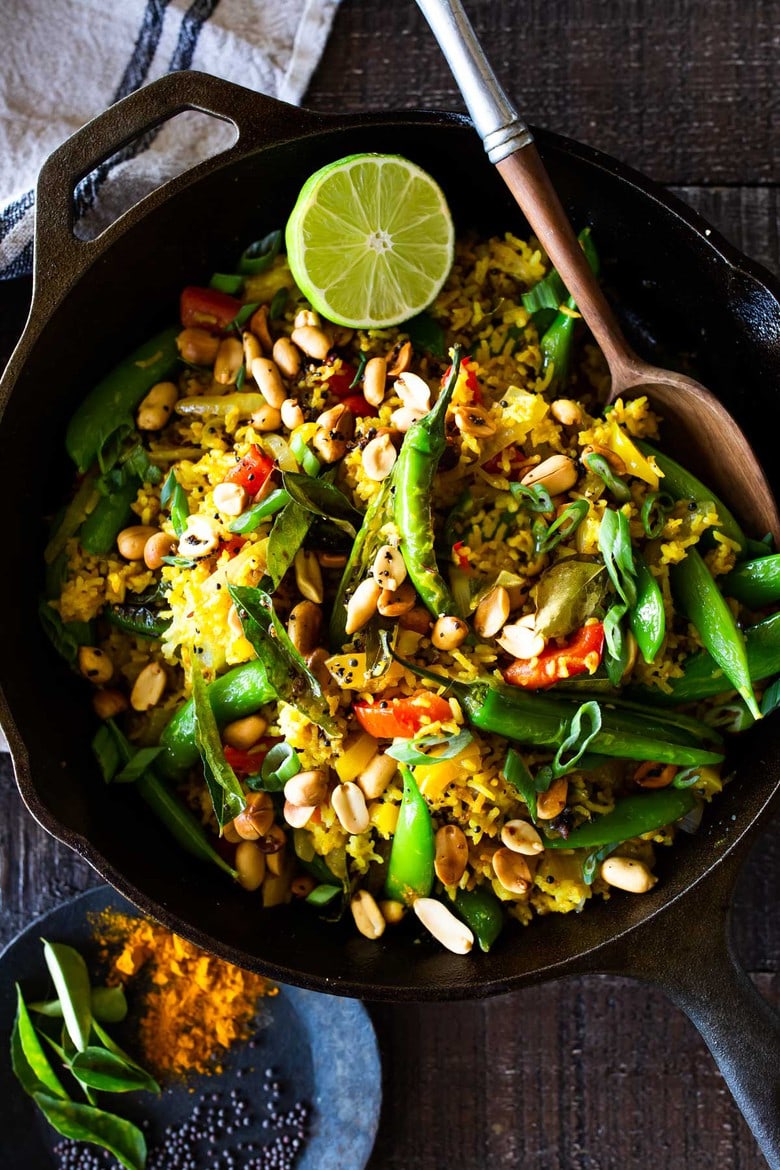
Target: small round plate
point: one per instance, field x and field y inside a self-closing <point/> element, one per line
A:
<point x="321" y="1049"/>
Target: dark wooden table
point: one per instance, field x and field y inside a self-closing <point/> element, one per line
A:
<point x="592" y="1073"/>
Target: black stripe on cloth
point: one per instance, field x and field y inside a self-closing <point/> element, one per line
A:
<point x="15" y="212"/>
<point x="192" y="23"/>
<point x="21" y="265"/>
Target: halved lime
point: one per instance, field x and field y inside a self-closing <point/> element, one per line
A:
<point x="370" y="240"/>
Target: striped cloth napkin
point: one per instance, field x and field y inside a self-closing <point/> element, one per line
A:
<point x="64" y="61"/>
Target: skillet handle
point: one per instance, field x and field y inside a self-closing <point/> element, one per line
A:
<point x="688" y="953"/>
<point x="259" y="120"/>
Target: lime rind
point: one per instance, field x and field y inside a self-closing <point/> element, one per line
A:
<point x="370" y="240"/>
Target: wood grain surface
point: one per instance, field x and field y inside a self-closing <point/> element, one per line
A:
<point x="594" y="1073"/>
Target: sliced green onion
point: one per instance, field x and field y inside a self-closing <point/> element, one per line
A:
<point x="232" y="284"/>
<point x="599" y="465"/>
<point x="260" y="255"/>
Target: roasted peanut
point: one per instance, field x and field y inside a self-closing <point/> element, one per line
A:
<point x="512" y="870"/>
<point x="557" y="474"/>
<point x="197" y="346"/>
<point x="474" y="420"/>
<point x="308" y="576"/>
<point x="250" y="865"/>
<point x="314" y="342"/>
<point x="267" y="418"/>
<point x="362" y="605"/>
<point x="374" y="380"/>
<point x="521" y="837"/>
<point x="400" y="360"/>
<point x="258" y="323"/>
<point x="230" y="498"/>
<point x="379" y="456"/>
<point x="304" y="625"/>
<point x="550" y="804"/>
<point x="155" y="409"/>
<point x="449" y="632"/>
<point x="626" y="873"/>
<point x="388" y="569"/>
<point x="307" y="788"/>
<point x="367" y="915"/>
<point x="567" y="412"/>
<point x="148" y="688"/>
<point x="444" y="926"/>
<point x="158" y="546"/>
<point x="452" y="853"/>
<point x="291" y="413"/>
<point x="269" y="381"/>
<point x="376" y="775"/>
<point x="95" y="664"/>
<point x="394" y="602"/>
<point x="131" y="542"/>
<point x="492" y="612"/>
<point x="108" y="703"/>
<point x="244" y="733"/>
<point x="287" y="357"/>
<point x="229" y="359"/>
<point x="349" y="805"/>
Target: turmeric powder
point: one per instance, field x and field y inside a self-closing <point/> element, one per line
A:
<point x="193" y="1006"/>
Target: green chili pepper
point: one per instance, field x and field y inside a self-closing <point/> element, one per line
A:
<point x="555" y="344"/>
<point x="680" y="484"/>
<point x="600" y="467"/>
<point x="657" y="504"/>
<point x="648" y="618"/>
<point x="754" y="583"/>
<point x="703" y="677"/>
<point x="628" y="730"/>
<point x="253" y="517"/>
<point x="410" y="868"/>
<point x="423" y="446"/>
<point x="242" y="691"/>
<point x="305" y="456"/>
<point x="700" y="600"/>
<point x="546" y="539"/>
<point x="141" y="620"/>
<point x="482" y="912"/>
<point x="110" y="406"/>
<point x="631" y="817"/>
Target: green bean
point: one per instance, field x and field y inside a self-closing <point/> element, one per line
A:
<point x="703" y="677"/>
<point x="482" y="912"/>
<point x="754" y="583"/>
<point x="410" y="868"/>
<point x="423" y="446"/>
<point x="110" y="406"/>
<point x="631" y="817"/>
<point x="238" y="693"/>
<point x="700" y="600"/>
<point x="648" y="619"/>
<point x="253" y="517"/>
<point x="555" y="345"/>
<point x="680" y="484"/>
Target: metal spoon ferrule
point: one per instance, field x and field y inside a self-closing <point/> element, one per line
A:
<point x="497" y="121"/>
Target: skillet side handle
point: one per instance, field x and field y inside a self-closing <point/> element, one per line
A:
<point x="259" y="121"/>
<point x="689" y="955"/>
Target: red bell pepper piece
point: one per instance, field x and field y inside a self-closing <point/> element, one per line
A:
<point x="340" y="383"/>
<point x="232" y="546"/>
<point x="517" y="461"/>
<point x="207" y="308"/>
<point x="403" y="717"/>
<point x="460" y="558"/>
<point x="359" y="407"/>
<point x="556" y="664"/>
<point x="468" y="375"/>
<point x="248" y="763"/>
<point x="252" y="471"/>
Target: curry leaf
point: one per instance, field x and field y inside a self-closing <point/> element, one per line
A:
<point x="566" y="595"/>
<point x="101" y="1069"/>
<point x="84" y="1123"/>
<point x="287" y="535"/>
<point x="136" y="767"/>
<point x="517" y="774"/>
<point x="226" y="793"/>
<point x="108" y="1003"/>
<point x="427" y="334"/>
<point x="34" y="1056"/>
<point x="578" y="738"/>
<point x="615" y="547"/>
<point x="323" y="499"/>
<point x="71" y="981"/>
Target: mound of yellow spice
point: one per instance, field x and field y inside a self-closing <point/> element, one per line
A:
<point x="190" y="1007"/>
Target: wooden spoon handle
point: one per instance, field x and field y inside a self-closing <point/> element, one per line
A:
<point x="510" y="146"/>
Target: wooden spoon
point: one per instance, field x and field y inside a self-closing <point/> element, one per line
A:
<point x="697" y="422"/>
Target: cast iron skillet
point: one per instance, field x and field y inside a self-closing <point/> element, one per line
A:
<point x="679" y="288"/>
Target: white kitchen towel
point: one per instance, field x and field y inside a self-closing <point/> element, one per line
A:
<point x="64" y="61"/>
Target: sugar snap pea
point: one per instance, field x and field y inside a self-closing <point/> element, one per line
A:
<point x="423" y="446"/>
<point x="410" y="868"/>
<point x="682" y="485"/>
<point x="110" y="406"/>
<point x="238" y="693"/>
<point x="754" y="583"/>
<point x="703" y="677"/>
<point x="648" y="619"/>
<point x="700" y="600"/>
<point x="631" y="816"/>
<point x="111" y="514"/>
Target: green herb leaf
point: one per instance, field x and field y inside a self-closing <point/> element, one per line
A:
<point x="108" y="750"/>
<point x="323" y="895"/>
<point x="65" y="637"/>
<point x="84" y="1123"/>
<point x="593" y="861"/>
<point x="243" y="315"/>
<point x="226" y="793"/>
<point x="323" y="499"/>
<point x="615" y="547"/>
<point x="230" y="283"/>
<point x="179" y="562"/>
<point x="516" y="773"/>
<point x="174" y="494"/>
<point x="771" y="698"/>
<point x="280" y="765"/>
<point x="412" y="752"/>
<point x="362" y="363"/>
<point x="71" y="981"/>
<point x="41" y="1074"/>
<point x="535" y="497"/>
<point x="287" y="536"/>
<point x="101" y="1069"/>
<point x="142" y="620"/>
<point x="548" y="293"/>
<point x="241" y="376"/>
<point x="141" y="761"/>
<point x="260" y="255"/>
<point x="108" y="1004"/>
<point x="578" y="738"/>
<point x="566" y="595"/>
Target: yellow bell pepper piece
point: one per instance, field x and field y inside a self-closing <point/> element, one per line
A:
<point x="356" y="755"/>
<point x="432" y="779"/>
<point x="636" y="463"/>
